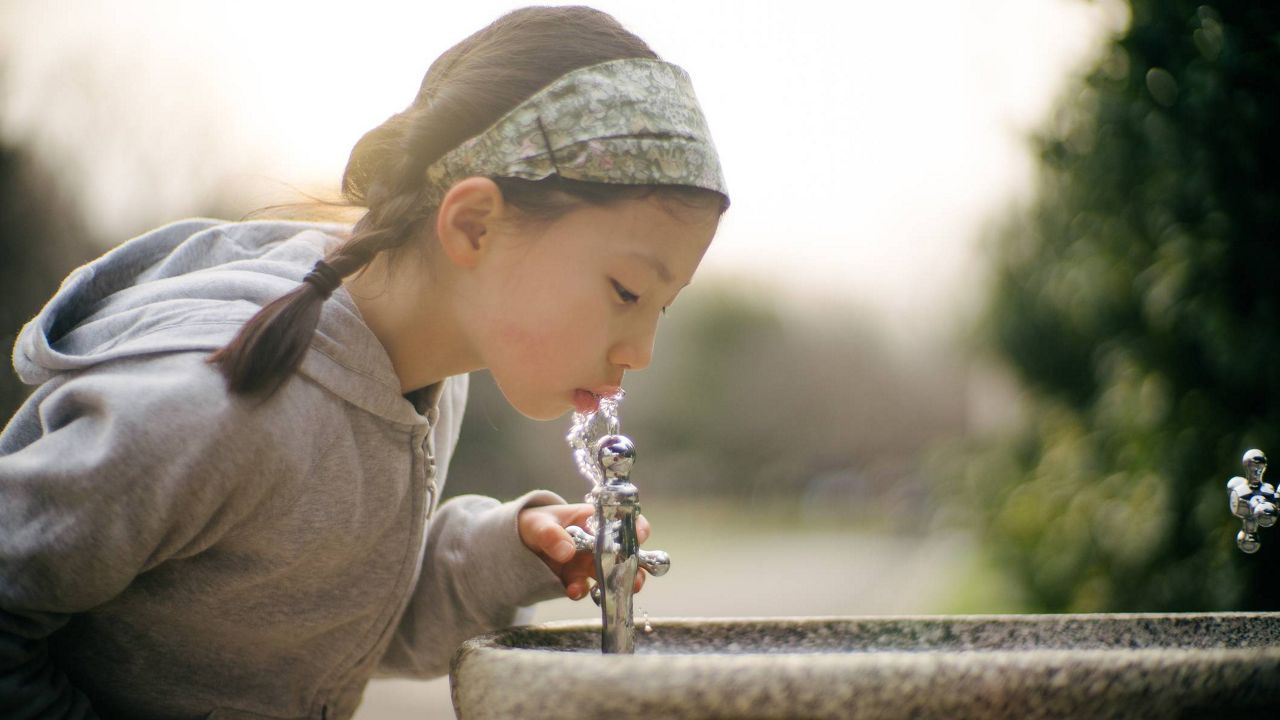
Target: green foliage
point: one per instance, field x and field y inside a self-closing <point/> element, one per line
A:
<point x="1137" y="300"/>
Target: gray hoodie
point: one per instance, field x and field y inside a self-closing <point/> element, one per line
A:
<point x="169" y="550"/>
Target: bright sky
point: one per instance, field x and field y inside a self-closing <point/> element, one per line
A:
<point x="865" y="143"/>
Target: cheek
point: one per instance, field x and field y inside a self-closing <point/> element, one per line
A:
<point x="547" y="325"/>
<point x="520" y="340"/>
<point x="554" y="351"/>
<point x="539" y="344"/>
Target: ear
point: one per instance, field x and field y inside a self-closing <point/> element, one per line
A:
<point x="466" y="219"/>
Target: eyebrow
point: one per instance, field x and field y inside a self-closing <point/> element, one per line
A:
<point x="653" y="262"/>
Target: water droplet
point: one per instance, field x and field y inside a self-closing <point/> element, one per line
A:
<point x="648" y="629"/>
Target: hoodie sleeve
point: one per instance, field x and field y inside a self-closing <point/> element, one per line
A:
<point x="476" y="578"/>
<point x="103" y="476"/>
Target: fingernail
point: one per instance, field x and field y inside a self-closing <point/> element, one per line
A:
<point x="563" y="551"/>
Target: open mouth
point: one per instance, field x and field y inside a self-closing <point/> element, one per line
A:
<point x="587" y="401"/>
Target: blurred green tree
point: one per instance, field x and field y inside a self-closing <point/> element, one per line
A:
<point x="1137" y="300"/>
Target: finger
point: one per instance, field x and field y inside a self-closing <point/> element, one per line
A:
<point x="579" y="569"/>
<point x="578" y="587"/>
<point x="579" y="514"/>
<point x="571" y="514"/>
<point x="550" y="537"/>
<point x="642" y="528"/>
<point x="640" y="576"/>
<point x="577" y="590"/>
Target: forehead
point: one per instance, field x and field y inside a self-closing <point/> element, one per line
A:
<point x="654" y="226"/>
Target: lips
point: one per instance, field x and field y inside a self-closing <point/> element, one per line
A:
<point x="587" y="401"/>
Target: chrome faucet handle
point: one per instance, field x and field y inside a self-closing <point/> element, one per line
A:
<point x="583" y="541"/>
<point x="1252" y="500"/>
<point x="654" y="562"/>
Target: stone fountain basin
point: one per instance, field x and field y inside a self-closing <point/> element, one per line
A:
<point x="1202" y="665"/>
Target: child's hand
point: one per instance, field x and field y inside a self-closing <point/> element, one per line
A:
<point x="542" y="529"/>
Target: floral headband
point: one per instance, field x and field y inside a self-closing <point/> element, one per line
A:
<point x="634" y="121"/>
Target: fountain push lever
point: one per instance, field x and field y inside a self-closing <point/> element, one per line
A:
<point x="1252" y="500"/>
<point x="615" y="543"/>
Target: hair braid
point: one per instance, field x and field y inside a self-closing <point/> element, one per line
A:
<point x="270" y="347"/>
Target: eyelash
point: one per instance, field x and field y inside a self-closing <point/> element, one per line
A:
<point x="624" y="294"/>
<point x="627" y="296"/>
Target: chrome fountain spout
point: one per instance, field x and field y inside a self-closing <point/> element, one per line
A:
<point x="616" y="545"/>
<point x="607" y="461"/>
<point x="1252" y="500"/>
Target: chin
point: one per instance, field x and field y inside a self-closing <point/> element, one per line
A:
<point x="545" y="416"/>
<point x="541" y="411"/>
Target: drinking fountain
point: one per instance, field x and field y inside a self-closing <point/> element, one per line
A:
<point x="1098" y="666"/>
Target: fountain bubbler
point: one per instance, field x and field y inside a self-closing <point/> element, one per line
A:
<point x="606" y="458"/>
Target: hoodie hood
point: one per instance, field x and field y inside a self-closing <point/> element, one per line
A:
<point x="188" y="287"/>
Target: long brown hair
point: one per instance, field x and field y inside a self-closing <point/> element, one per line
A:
<point x="465" y="90"/>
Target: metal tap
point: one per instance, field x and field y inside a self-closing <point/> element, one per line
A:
<point x="1252" y="500"/>
<point x="615" y="544"/>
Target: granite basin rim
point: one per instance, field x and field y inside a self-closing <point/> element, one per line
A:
<point x="1211" y="660"/>
<point x="881" y="634"/>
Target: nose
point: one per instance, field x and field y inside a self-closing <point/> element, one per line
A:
<point x="633" y="351"/>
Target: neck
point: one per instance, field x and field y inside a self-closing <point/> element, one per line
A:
<point x="412" y="315"/>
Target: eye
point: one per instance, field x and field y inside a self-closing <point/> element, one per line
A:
<point x="624" y="294"/>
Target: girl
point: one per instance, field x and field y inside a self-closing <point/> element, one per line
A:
<point x="221" y="499"/>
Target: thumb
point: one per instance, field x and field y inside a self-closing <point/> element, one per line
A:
<point x="541" y="532"/>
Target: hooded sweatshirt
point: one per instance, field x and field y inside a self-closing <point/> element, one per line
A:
<point x="170" y="550"/>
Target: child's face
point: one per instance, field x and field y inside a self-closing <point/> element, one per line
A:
<point x="563" y="309"/>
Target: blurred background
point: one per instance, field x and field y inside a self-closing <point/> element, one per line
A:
<point x="988" y="327"/>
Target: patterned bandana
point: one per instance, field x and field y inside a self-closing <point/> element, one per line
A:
<point x="624" y="122"/>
